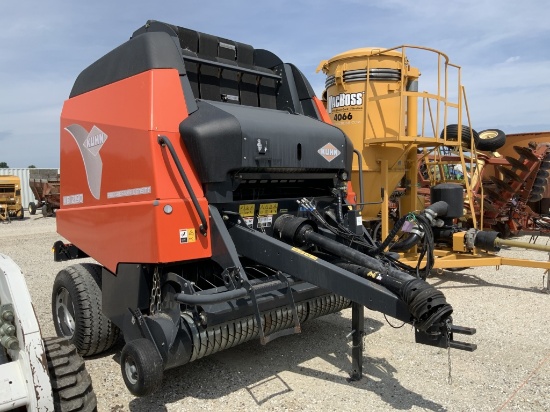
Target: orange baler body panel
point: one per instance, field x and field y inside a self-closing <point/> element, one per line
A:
<point x="122" y="199"/>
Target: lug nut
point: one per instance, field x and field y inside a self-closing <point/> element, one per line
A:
<point x="8" y="316"/>
<point x="7" y="329"/>
<point x="9" y="342"/>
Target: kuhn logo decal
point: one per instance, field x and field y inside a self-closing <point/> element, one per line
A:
<point x="94" y="142"/>
<point x="329" y="152"/>
<point x="90" y="143"/>
<point x="345" y="99"/>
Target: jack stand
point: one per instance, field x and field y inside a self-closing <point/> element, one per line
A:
<point x="357" y="326"/>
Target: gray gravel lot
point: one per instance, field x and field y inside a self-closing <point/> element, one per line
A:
<point x="509" y="371"/>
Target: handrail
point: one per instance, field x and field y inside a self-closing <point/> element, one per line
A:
<point x="164" y="141"/>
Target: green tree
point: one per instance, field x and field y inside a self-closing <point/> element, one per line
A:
<point x="3" y="165"/>
<point x="31" y="167"/>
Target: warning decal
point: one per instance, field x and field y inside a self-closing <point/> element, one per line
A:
<point x="249" y="221"/>
<point x="246" y="210"/>
<point x="264" y="221"/>
<point x="268" y="209"/>
<point x="187" y="235"/>
<point x="301" y="252"/>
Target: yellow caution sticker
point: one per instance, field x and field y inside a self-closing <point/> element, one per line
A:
<point x="268" y="209"/>
<point x="187" y="236"/>
<point x="246" y="210"/>
<point x="301" y="252"/>
<point x="374" y="275"/>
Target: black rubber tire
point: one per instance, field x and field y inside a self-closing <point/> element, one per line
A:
<point x="545" y="165"/>
<point x="452" y="135"/>
<point x="504" y="230"/>
<point x="540" y="181"/>
<point x="141" y="366"/>
<point x="21" y="214"/>
<point x="535" y="197"/>
<point x="490" y="140"/>
<point x="537" y="189"/>
<point x="93" y="332"/>
<point x="32" y="208"/>
<point x="543" y="173"/>
<point x="71" y="383"/>
<point x="45" y="211"/>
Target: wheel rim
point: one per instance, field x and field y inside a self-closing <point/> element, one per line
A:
<point x="64" y="309"/>
<point x="488" y="135"/>
<point x="130" y="370"/>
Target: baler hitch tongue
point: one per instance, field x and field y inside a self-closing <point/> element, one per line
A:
<point x="442" y="336"/>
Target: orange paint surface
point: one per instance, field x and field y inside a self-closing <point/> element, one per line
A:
<point x="127" y="223"/>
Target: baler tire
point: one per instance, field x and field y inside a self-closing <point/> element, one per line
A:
<point x="491" y="140"/>
<point x="77" y="295"/>
<point x="452" y="135"/>
<point x="32" y="208"/>
<point x="71" y="383"/>
<point x="141" y="366"/>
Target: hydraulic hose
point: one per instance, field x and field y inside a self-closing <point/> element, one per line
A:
<point x="396" y="228"/>
<point x="436" y="209"/>
<point x="406" y="243"/>
<point x="209" y="299"/>
<point x="439" y="208"/>
<point x="353" y="255"/>
<point x="339" y="213"/>
<point x="426" y="304"/>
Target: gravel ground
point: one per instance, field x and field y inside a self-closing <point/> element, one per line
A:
<point x="509" y="370"/>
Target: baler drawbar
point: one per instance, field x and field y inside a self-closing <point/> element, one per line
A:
<point x="208" y="185"/>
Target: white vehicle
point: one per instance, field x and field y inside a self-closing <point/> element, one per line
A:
<point x="39" y="374"/>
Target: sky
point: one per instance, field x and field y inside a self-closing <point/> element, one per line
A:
<point x="503" y="48"/>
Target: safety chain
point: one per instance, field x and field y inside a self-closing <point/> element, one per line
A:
<point x="155" y="293"/>
<point x="349" y="338"/>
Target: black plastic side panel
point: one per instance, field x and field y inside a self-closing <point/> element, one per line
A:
<point x="247" y="91"/>
<point x="268" y="88"/>
<point x="265" y="58"/>
<point x="148" y="51"/>
<point x="189" y="40"/>
<point x="293" y="93"/>
<point x="288" y="98"/>
<point x="214" y="141"/>
<point x="305" y="92"/>
<point x="229" y="80"/>
<point x="127" y="289"/>
<point x="304" y="89"/>
<point x="209" y="77"/>
<point x="223" y="138"/>
<point x="156" y="26"/>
